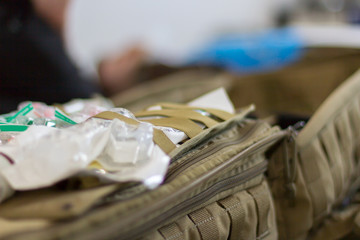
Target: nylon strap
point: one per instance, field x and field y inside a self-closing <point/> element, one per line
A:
<point x="163" y="141"/>
<point x="171" y="231"/>
<point x="234" y="208"/>
<point x="187" y="126"/>
<point x="205" y="223"/>
<point x="112" y="115"/>
<point x="182" y="113"/>
<point x="263" y="207"/>
<point x="159" y="137"/>
<point x="216" y="112"/>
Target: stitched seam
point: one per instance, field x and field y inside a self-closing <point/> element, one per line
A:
<point x="204" y="221"/>
<point x="234" y="206"/>
<point x="224" y="211"/>
<point x="175" y="236"/>
<point x="192" y="227"/>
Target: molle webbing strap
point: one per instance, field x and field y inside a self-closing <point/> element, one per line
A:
<point x="205" y="224"/>
<point x="216" y="112"/>
<point x="187" y="126"/>
<point x="237" y="214"/>
<point x="163" y="141"/>
<point x="159" y="137"/>
<point x="171" y="231"/>
<point x="182" y="113"/>
<point x="263" y="207"/>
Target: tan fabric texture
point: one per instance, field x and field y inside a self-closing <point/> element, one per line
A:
<point x="221" y="161"/>
<point x="246" y="215"/>
<point x="326" y="164"/>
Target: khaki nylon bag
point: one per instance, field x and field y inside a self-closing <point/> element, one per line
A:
<point x="313" y="179"/>
<point x="313" y="174"/>
<point x="214" y="189"/>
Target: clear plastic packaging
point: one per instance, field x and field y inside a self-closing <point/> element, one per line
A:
<point x="6" y="137"/>
<point x="44" y="156"/>
<point x="81" y="110"/>
<point x="150" y="172"/>
<point x="40" y="114"/>
<point x="5" y="190"/>
<point x="38" y="110"/>
<point x="128" y="145"/>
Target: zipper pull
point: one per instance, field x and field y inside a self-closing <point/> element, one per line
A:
<point x="290" y="154"/>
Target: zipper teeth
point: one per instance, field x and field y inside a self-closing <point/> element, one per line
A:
<point x="204" y="196"/>
<point x="199" y="156"/>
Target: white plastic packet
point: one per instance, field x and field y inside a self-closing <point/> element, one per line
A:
<point x="82" y="109"/>
<point x="43" y="156"/>
<point x="5" y="189"/>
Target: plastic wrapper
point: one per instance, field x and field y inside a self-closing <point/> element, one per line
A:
<point x="38" y="110"/>
<point x="127" y="145"/>
<point x="39" y="114"/>
<point x="131" y="155"/>
<point x="5" y="190"/>
<point x="6" y="137"/>
<point x="151" y="172"/>
<point x="8" y="132"/>
<point x="43" y="156"/>
<point x="80" y="109"/>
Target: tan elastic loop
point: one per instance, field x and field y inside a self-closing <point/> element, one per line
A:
<point x="216" y="112"/>
<point x="183" y="113"/>
<point x="163" y="141"/>
<point x="159" y="137"/>
<point x="112" y="115"/>
<point x="187" y="126"/>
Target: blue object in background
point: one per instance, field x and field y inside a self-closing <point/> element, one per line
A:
<point x="260" y="52"/>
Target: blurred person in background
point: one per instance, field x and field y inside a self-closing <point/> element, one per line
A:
<point x="33" y="62"/>
<point x="56" y="50"/>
